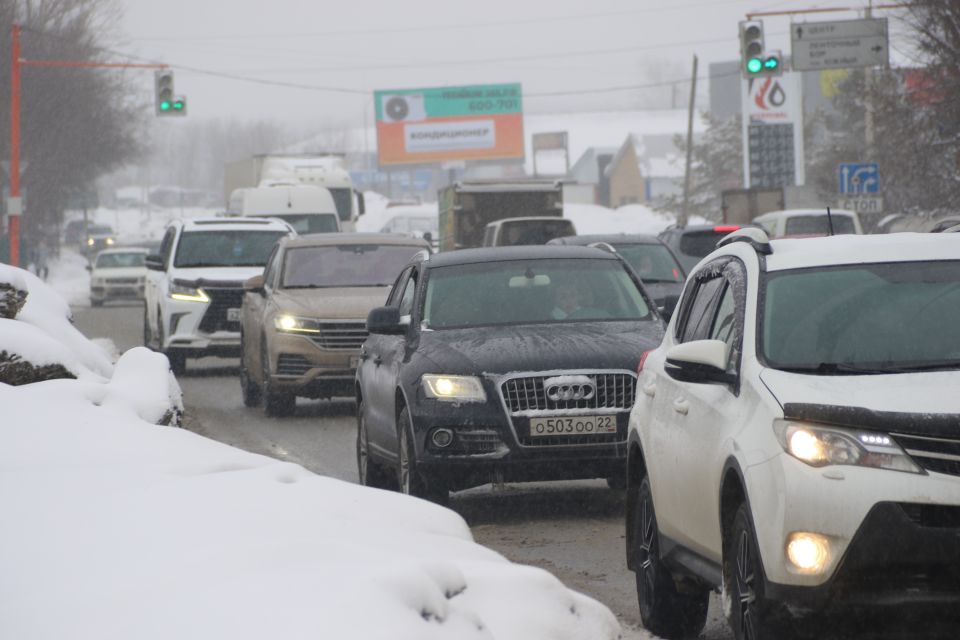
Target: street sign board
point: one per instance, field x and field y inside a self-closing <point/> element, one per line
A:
<point x="858" y="178"/>
<point x="434" y="125"/>
<point x="842" y="44"/>
<point x="861" y="204"/>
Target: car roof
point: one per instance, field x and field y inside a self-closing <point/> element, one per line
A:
<point x="609" y="238"/>
<point x="854" y="249"/>
<point x="790" y="213"/>
<point x="526" y="252"/>
<point x="225" y="222"/>
<point x="526" y="219"/>
<point x="709" y="226"/>
<point x="340" y="238"/>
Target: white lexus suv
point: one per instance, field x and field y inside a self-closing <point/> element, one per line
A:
<point x="194" y="286"/>
<point x="795" y="440"/>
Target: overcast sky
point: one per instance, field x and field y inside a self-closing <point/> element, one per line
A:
<point x="357" y="46"/>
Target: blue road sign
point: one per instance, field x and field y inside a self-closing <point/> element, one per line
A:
<point x="859" y="178"/>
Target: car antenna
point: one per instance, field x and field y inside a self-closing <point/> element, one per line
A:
<point x="830" y="220"/>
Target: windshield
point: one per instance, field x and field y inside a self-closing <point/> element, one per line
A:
<point x="120" y="260"/>
<point x="877" y="316"/>
<point x="525" y="232"/>
<point x="652" y="262"/>
<point x="225" y="248"/>
<point x="304" y="223"/>
<point x="96" y="230"/>
<point x="531" y="292"/>
<point x="817" y="224"/>
<point x="343" y="199"/>
<point x="352" y="265"/>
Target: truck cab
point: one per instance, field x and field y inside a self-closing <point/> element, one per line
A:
<point x="308" y="209"/>
<point x="525" y="231"/>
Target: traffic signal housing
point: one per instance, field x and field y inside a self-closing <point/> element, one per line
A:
<point x="755" y="60"/>
<point x="165" y="102"/>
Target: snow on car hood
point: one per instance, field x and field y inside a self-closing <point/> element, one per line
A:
<point x="933" y="392"/>
<point x="543" y="347"/>
<point x="353" y="303"/>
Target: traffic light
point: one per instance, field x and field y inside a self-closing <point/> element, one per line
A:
<point x="166" y="103"/>
<point x="755" y="60"/>
<point x="751" y="47"/>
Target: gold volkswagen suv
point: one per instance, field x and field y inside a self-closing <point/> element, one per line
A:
<point x="303" y="321"/>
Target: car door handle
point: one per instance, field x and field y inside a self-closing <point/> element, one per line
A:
<point x="681" y="406"/>
<point x="650" y="389"/>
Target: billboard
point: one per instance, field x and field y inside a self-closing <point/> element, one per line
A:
<point x="418" y="126"/>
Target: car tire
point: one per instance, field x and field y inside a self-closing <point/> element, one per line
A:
<point x="664" y="609"/>
<point x="147" y="334"/>
<point x="276" y="404"/>
<point x="370" y="472"/>
<point x="410" y="480"/>
<point x="178" y="361"/>
<point x="617" y="482"/>
<point x="751" y="616"/>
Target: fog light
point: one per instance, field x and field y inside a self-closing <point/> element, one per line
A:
<point x="808" y="552"/>
<point x="442" y="438"/>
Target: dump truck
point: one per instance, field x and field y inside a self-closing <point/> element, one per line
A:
<point x="466" y="208"/>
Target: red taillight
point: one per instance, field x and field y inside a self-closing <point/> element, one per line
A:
<point x="643" y="359"/>
<point x="726" y="228"/>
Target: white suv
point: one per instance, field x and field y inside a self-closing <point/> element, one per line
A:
<point x="194" y="286"/>
<point x="796" y="438"/>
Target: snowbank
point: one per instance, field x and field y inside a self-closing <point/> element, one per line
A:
<point x="113" y="528"/>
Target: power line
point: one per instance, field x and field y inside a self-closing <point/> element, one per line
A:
<point x="635" y="87"/>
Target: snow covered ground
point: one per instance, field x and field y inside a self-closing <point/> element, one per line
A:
<point x="114" y="528"/>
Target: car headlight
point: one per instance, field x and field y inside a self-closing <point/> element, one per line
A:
<point x="294" y="324"/>
<point x="821" y="446"/>
<point x="90" y="242"/>
<point x="453" y="388"/>
<point x="110" y="241"/>
<point x="187" y="293"/>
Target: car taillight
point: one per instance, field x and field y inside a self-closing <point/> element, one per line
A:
<point x="726" y="228"/>
<point x="643" y="359"/>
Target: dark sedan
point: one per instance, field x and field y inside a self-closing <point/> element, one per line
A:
<point x="652" y="260"/>
<point x="513" y="364"/>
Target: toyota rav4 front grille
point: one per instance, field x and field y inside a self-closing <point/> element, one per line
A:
<point x="941" y="455"/>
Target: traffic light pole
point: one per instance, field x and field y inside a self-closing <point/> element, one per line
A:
<point x="16" y="65"/>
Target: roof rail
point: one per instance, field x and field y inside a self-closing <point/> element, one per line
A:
<point x="423" y="253"/>
<point x="606" y="246"/>
<point x="754" y="236"/>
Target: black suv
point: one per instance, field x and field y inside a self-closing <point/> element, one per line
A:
<point x="694" y="241"/>
<point x="511" y="363"/>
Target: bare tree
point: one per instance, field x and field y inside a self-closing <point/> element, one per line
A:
<point x="76" y="123"/>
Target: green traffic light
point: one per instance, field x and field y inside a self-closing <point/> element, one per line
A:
<point x="165" y="106"/>
<point x="754" y="65"/>
<point x="771" y="64"/>
<point x="178" y="106"/>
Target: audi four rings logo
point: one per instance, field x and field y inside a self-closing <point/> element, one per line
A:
<point x="571" y="391"/>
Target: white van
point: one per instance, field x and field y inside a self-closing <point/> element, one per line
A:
<point x="306" y="208"/>
<point x="802" y="223"/>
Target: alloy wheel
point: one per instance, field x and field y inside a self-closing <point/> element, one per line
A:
<point x="745" y="577"/>
<point x="363" y="444"/>
<point x="404" y="463"/>
<point x="647" y="551"/>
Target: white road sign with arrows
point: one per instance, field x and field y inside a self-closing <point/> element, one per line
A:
<point x="839" y="45"/>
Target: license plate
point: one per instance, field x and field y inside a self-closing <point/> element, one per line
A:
<point x="354" y="362"/>
<point x="233" y="315"/>
<point x="574" y="425"/>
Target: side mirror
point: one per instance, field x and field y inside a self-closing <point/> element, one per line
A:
<point x="154" y="262"/>
<point x="700" y="361"/>
<point x="386" y="321"/>
<point x="669" y="306"/>
<point x="254" y="285"/>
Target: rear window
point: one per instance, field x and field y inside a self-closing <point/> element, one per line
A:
<point x="817" y="225"/>
<point x="652" y="262"/>
<point x="305" y="223"/>
<point x="700" y="243"/>
<point x="534" y="231"/>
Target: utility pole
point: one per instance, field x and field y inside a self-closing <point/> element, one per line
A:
<point x="684" y="215"/>
<point x="868" y="122"/>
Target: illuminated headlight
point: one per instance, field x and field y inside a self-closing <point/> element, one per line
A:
<point x="294" y="324"/>
<point x="110" y="240"/>
<point x="821" y="446"/>
<point x="186" y="293"/>
<point x="90" y="242"/>
<point x="453" y="388"/>
<point x="809" y="553"/>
